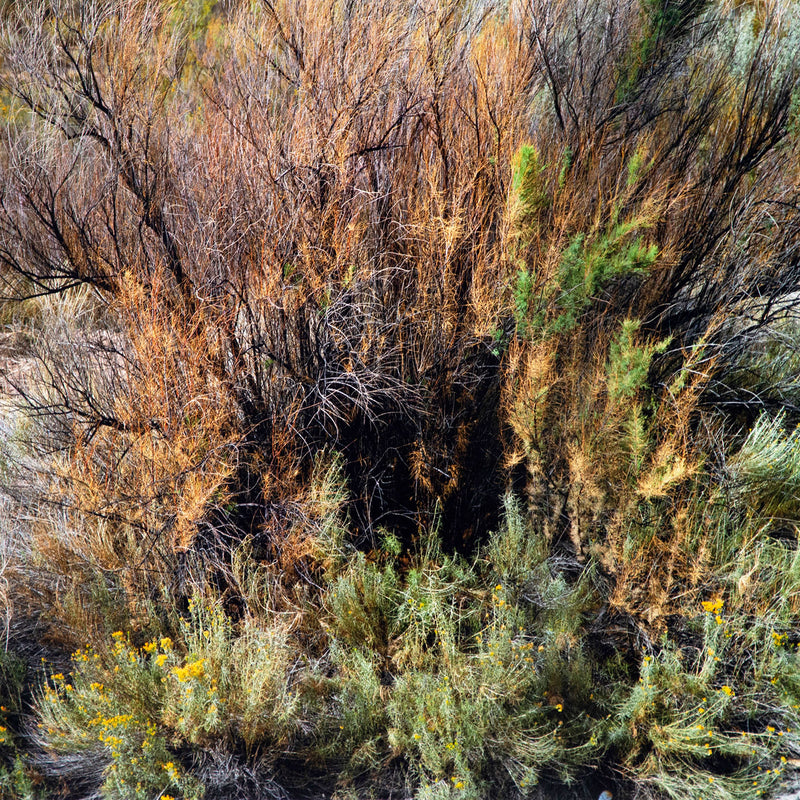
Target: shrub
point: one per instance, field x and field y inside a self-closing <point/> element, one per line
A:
<point x="410" y="394"/>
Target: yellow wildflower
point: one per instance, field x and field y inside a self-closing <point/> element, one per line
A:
<point x="194" y="670"/>
<point x="171" y="770"/>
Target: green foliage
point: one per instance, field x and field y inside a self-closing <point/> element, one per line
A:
<point x="766" y="470"/>
<point x="793" y="126"/>
<point x="523" y="300"/>
<point x="663" y="22"/>
<point x="515" y="554"/>
<point x="362" y="602"/>
<point x="637" y="168"/>
<point x="491" y="677"/>
<point x="18" y="782"/>
<point x="589" y="264"/>
<point x="139" y="705"/>
<point x="696" y="712"/>
<point x="528" y="185"/>
<point x="628" y="364"/>
<point x="666" y="18"/>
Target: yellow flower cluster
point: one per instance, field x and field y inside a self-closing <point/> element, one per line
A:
<point x="84" y="656"/>
<point x="779" y="639"/>
<point x="172" y="771"/>
<point x="194" y="670"/>
<point x="107" y="726"/>
<point x="713" y="606"/>
<point x="120" y="720"/>
<point x="152" y="646"/>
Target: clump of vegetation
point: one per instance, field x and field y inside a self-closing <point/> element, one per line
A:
<point x="399" y="395"/>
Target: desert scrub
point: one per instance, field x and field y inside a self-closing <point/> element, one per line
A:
<point x="477" y="674"/>
<point x="111" y="704"/>
<point x="19" y="780"/>
<point x="507" y="688"/>
<point x="515" y="264"/>
<point x="465" y="676"/>
<point x="699" y="714"/>
<point x="236" y="683"/>
<point x="140" y="706"/>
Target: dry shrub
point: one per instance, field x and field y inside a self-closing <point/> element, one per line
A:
<point x="360" y="228"/>
<point x="452" y="249"/>
<point x="326" y="277"/>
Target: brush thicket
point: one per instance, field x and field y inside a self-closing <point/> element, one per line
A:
<point x="408" y="396"/>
